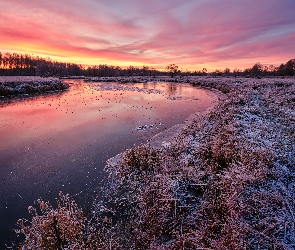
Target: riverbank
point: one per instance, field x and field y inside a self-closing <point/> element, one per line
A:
<point x="225" y="181"/>
<point x="29" y="85"/>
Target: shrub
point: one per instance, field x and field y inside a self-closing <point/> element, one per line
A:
<point x="54" y="228"/>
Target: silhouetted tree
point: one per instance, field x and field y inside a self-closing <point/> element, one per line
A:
<point x="204" y="71"/>
<point x="217" y="72"/>
<point x="281" y="70"/>
<point x="145" y="70"/>
<point x="226" y="71"/>
<point x="271" y="70"/>
<point x="172" y="68"/>
<point x="290" y="67"/>
<point x="256" y="69"/>
<point x="237" y="72"/>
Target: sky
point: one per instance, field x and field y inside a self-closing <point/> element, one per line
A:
<point x="193" y="34"/>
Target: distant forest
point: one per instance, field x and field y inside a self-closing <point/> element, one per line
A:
<point x="29" y="65"/>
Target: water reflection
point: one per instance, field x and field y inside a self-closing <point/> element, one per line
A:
<point x="61" y="141"/>
<point x="5" y="101"/>
<point x="172" y="88"/>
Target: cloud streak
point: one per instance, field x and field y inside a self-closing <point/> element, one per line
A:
<point x="192" y="34"/>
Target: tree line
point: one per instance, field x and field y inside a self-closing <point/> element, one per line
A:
<point x="14" y="64"/>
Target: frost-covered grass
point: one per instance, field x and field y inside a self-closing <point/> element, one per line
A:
<point x="226" y="180"/>
<point x="28" y="85"/>
<point x="25" y="78"/>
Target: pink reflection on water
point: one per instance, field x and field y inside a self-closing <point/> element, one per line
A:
<point x="82" y="107"/>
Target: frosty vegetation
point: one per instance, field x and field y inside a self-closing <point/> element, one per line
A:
<point x="226" y="181"/>
<point x="11" y="86"/>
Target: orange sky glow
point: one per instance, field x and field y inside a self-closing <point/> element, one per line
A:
<point x="191" y="34"/>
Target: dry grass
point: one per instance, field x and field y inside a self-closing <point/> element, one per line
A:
<point x="60" y="228"/>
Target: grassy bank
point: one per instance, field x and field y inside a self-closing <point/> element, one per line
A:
<point x="12" y="86"/>
<point x="226" y="181"/>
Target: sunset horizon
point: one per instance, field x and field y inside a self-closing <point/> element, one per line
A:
<point x="193" y="35"/>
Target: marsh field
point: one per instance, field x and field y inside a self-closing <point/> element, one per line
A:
<point x="224" y="179"/>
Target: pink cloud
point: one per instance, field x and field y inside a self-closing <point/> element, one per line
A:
<point x="152" y="32"/>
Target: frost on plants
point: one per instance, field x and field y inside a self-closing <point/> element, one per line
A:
<point x="225" y="182"/>
<point x="54" y="228"/>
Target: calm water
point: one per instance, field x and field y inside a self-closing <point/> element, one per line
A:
<point x="61" y="141"/>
